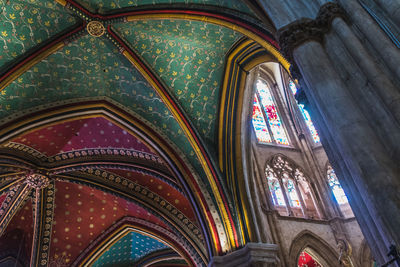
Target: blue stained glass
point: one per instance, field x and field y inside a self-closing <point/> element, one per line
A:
<point x="336" y="187"/>
<point x="306" y="115"/>
<point x="294" y="198"/>
<point x="259" y="123"/>
<point x="276" y="191"/>
<point x="309" y="123"/>
<point x="270" y="110"/>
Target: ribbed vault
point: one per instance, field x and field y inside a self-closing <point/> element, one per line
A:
<point x="109" y="113"/>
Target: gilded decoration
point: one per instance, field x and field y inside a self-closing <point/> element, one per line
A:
<point x="189" y="58"/>
<point x="26" y="24"/>
<point x="95" y="28"/>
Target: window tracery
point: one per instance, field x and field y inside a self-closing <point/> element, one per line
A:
<point x="266" y="120"/>
<point x="289" y="189"/>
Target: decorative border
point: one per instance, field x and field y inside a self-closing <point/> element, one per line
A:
<point x="43" y="221"/>
<point x="14" y="200"/>
<point x="130" y="224"/>
<point x="144" y="198"/>
<point x="237" y="24"/>
<point x="242" y="58"/>
<point x="196" y="191"/>
<point x="149" y="197"/>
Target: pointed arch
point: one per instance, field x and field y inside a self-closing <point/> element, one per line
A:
<point x="296" y="185"/>
<point x="206" y="211"/>
<point x="308" y="240"/>
<point x="124" y="227"/>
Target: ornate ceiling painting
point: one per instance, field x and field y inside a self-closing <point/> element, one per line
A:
<point x="99" y="6"/>
<point x="189" y="57"/>
<point x="82" y="213"/>
<point x="107" y="137"/>
<point x="16" y="241"/>
<point x="130" y="248"/>
<point x="26" y="25"/>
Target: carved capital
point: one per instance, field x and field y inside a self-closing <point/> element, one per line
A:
<point x="304" y="30"/>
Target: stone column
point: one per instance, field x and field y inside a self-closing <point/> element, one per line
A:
<point x="392" y="8"/>
<point x="383" y="46"/>
<point x="252" y="255"/>
<point x="364" y="216"/>
<point x="368" y="165"/>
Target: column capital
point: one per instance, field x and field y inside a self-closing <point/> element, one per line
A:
<point x="303" y="30"/>
<point x="253" y="254"/>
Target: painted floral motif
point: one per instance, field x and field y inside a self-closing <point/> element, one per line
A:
<point x="90" y="67"/>
<point x="27" y="23"/>
<point x="105" y="6"/>
<point x="189" y="58"/>
<point x="129" y="249"/>
<point x="81" y="215"/>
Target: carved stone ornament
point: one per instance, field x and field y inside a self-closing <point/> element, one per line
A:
<point x="345" y="253"/>
<point x="304" y="30"/>
<point x="95" y="28"/>
<point x="37" y="181"/>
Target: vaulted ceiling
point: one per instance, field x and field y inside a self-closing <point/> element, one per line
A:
<point x="109" y="123"/>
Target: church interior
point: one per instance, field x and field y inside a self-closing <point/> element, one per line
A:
<point x="174" y="133"/>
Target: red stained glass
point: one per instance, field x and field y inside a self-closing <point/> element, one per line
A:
<point x="305" y="260"/>
<point x="259" y="123"/>
<point x="269" y="107"/>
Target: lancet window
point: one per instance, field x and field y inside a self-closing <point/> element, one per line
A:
<point x="266" y="120"/>
<point x="306" y="115"/>
<point x="289" y="189"/>
<point x="338" y="192"/>
<point x="337" y="189"/>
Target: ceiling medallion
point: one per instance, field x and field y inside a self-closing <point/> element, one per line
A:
<point x="95" y="28"/>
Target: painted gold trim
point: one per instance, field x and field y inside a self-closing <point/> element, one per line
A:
<point x="121" y="232"/>
<point x="196" y="148"/>
<point x="97" y="113"/>
<point x="61" y="2"/>
<point x="270" y="48"/>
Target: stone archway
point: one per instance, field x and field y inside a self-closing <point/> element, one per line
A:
<point x="308" y="240"/>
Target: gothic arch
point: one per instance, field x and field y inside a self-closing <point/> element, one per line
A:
<point x="179" y="166"/>
<point x="127" y="225"/>
<point x="307" y="239"/>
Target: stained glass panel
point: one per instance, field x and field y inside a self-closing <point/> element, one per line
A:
<point x="336" y="187"/>
<point x="270" y="110"/>
<point x="306" y="115"/>
<point x="259" y="123"/>
<point x="309" y="123"/>
<point x="276" y="191"/>
<point x="306" y="260"/>
<point x="294" y="198"/>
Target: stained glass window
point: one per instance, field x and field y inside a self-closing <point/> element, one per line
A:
<point x="259" y="123"/>
<point x="306" y="115"/>
<point x="336" y="187"/>
<point x="306" y="260"/>
<point x="276" y="192"/>
<point x="294" y="198"/>
<point x="268" y="113"/>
